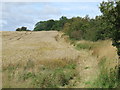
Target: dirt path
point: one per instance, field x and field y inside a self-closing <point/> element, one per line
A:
<point x="21" y="46"/>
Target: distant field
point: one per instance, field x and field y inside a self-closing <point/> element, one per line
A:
<point x="48" y="59"/>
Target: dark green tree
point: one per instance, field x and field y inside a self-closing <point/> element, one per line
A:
<point x="61" y="22"/>
<point x="49" y="24"/>
<point x="22" y="29"/>
<point x="18" y="29"/>
<point x="111" y="15"/>
<point x="41" y="25"/>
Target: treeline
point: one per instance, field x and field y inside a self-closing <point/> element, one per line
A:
<point x="77" y="27"/>
<point x="51" y="24"/>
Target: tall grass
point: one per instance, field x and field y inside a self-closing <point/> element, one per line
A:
<point x="47" y="76"/>
<point x="107" y="78"/>
<point x="106" y="56"/>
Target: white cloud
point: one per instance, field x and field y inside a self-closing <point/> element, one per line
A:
<point x="25" y="14"/>
<point x="3" y="22"/>
<point x="81" y="7"/>
<point x="50" y="10"/>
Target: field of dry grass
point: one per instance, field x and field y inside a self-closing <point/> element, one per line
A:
<point x="46" y="59"/>
<point x="32" y="51"/>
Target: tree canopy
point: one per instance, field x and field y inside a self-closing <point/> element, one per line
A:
<point x="22" y="29"/>
<point x="111" y="15"/>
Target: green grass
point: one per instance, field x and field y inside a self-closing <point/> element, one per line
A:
<point x="106" y="79"/>
<point x="53" y="78"/>
<point x="44" y="78"/>
<point x="83" y="46"/>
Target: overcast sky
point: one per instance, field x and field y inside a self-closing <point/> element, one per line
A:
<point x="18" y="14"/>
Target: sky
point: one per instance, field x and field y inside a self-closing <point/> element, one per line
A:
<point x="18" y="14"/>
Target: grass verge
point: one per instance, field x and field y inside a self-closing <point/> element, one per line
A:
<point x="47" y="76"/>
<point x="107" y="78"/>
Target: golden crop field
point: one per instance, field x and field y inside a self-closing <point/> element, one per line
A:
<point x="48" y="59"/>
